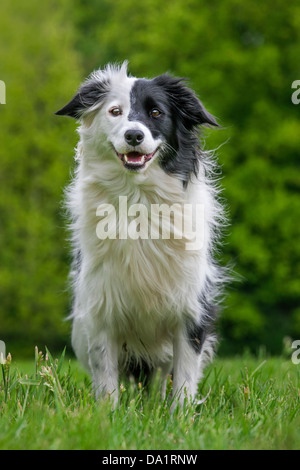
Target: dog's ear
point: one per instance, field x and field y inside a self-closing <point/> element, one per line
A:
<point x="88" y="97"/>
<point x="185" y="103"/>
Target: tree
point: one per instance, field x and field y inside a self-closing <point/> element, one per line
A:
<point x="40" y="70"/>
<point x="242" y="58"/>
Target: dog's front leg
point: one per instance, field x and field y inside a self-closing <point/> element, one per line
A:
<point x="186" y="364"/>
<point x="103" y="362"/>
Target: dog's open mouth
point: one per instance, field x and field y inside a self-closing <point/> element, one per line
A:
<point x="135" y="160"/>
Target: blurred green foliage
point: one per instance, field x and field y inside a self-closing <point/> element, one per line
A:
<point x="241" y="58"/>
<point x="40" y="69"/>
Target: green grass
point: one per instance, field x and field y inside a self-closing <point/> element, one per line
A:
<point x="252" y="403"/>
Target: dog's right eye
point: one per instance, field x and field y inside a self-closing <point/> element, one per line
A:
<point x="115" y="111"/>
<point x="155" y="113"/>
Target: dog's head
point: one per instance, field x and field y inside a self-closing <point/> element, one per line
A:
<point x="142" y="120"/>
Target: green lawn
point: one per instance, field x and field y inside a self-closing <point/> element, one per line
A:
<point x="252" y="403"/>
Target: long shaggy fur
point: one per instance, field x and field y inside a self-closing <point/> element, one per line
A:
<point x="142" y="301"/>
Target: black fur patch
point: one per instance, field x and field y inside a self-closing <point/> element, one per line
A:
<point x="181" y="113"/>
<point x="196" y="336"/>
<point x="140" y="371"/>
<point x="87" y="96"/>
<point x="197" y="333"/>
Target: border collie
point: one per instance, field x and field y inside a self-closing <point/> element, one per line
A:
<point x="142" y="302"/>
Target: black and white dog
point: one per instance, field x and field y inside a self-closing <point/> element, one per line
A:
<point x="144" y="295"/>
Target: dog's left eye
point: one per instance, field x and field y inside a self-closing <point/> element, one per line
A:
<point x="155" y="113"/>
<point x="115" y="111"/>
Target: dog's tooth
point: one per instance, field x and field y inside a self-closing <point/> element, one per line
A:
<point x="125" y="158"/>
<point x="143" y="159"/>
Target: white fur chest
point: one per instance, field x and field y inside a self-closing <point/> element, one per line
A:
<point x="137" y="274"/>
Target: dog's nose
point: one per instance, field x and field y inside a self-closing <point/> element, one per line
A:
<point x="134" y="137"/>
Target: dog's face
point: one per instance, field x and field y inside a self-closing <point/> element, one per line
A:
<point x="141" y="119"/>
<point x="136" y="123"/>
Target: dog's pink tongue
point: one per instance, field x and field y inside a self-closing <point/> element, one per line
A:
<point x="134" y="156"/>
